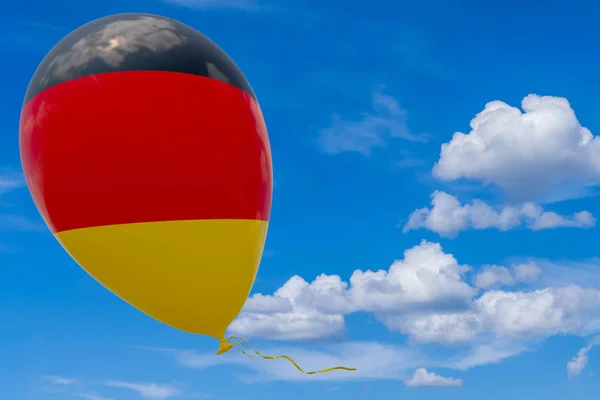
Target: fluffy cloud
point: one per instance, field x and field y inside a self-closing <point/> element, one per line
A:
<point x="426" y="297"/>
<point x="530" y="154"/>
<point x="448" y="217"/>
<point x="496" y="325"/>
<point x="426" y="279"/>
<point x="296" y="311"/>
<point x="540" y="313"/>
<point x="147" y="390"/>
<point x="445" y="328"/>
<point x="533" y="315"/>
<point x="422" y="378"/>
<point x="373" y="129"/>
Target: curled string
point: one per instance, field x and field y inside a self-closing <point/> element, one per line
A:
<point x="233" y="341"/>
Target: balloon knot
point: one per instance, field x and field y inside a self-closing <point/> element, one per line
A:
<point x="224" y="346"/>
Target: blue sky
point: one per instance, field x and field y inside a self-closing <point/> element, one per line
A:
<point x="485" y="241"/>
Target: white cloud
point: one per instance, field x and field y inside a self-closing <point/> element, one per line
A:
<point x="60" y="380"/>
<point x="445" y="328"/>
<point x="527" y="272"/>
<point x="426" y="278"/>
<point x="271" y="304"/>
<point x="386" y="120"/>
<point x="530" y="154"/>
<point x="580" y="360"/>
<point x="448" y="217"/>
<point x="147" y="390"/>
<point x="296" y="311"/>
<point x="422" y="378"/>
<point x="521" y="316"/>
<point x="425" y="296"/>
<point x="494" y="276"/>
<point x="540" y="313"/>
<point x="297" y="325"/>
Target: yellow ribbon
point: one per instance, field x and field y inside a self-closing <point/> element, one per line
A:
<point x="228" y="343"/>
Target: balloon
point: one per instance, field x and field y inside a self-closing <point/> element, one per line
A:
<point x="146" y="153"/>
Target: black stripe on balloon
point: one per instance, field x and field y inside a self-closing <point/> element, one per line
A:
<point x="134" y="42"/>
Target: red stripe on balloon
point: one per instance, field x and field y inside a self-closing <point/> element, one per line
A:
<point x="142" y="146"/>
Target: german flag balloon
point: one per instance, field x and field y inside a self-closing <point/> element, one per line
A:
<point x="146" y="153"/>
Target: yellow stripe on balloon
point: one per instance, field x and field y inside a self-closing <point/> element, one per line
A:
<point x="192" y="275"/>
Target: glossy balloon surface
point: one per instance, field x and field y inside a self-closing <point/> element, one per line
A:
<point x="147" y="155"/>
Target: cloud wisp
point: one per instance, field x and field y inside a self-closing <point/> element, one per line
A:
<point x="92" y="396"/>
<point x="60" y="380"/>
<point x="147" y="390"/>
<point x="579" y="362"/>
<point x="11" y="181"/>
<point x="448" y="217"/>
<point x="386" y="120"/>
